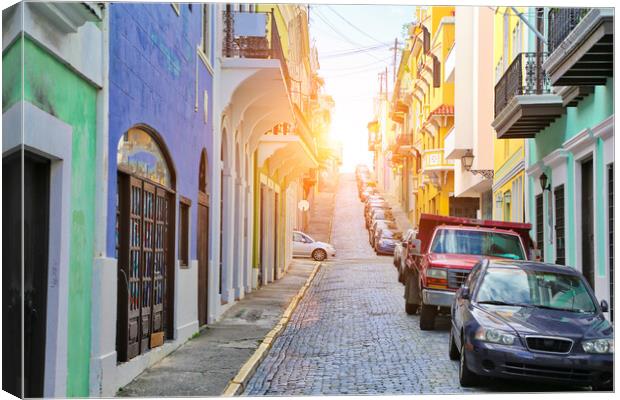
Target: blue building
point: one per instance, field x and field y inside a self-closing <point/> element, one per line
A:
<point x="150" y="283"/>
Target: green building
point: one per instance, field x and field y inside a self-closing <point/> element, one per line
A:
<point x="559" y="95"/>
<point x="52" y="79"/>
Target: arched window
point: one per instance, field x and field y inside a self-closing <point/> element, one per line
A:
<point x="139" y="154"/>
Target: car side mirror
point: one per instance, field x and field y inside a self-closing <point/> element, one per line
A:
<point x="535" y="255"/>
<point x="604" y="306"/>
<point x="416" y="247"/>
<point x="465" y="293"/>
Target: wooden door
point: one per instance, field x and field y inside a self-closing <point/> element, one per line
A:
<point x="129" y="258"/>
<point x="12" y="274"/>
<point x="203" y="258"/>
<point x="143" y="262"/>
<point x="36" y="232"/>
<point x="28" y="273"/>
<point x="163" y="269"/>
<point x="587" y="222"/>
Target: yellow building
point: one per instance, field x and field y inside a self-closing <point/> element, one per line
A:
<point x="423" y="108"/>
<point x="509" y="45"/>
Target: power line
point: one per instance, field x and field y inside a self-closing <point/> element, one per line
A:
<point x="357" y="66"/>
<point x="329" y="24"/>
<point x="354" y="50"/>
<point x="352" y="25"/>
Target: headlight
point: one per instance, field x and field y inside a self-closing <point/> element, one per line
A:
<point x="494" y="336"/>
<point x="598" y="346"/>
<point x="437" y="273"/>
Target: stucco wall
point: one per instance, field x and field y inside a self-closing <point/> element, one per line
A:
<point x="55" y="89"/>
<point x="154" y="68"/>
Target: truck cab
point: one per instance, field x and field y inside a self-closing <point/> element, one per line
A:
<point x="445" y="251"/>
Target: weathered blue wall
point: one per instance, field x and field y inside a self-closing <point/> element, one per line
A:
<point x="153" y="71"/>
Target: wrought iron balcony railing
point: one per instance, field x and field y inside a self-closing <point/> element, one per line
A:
<point x="253" y="35"/>
<point x="524" y="76"/>
<point x="561" y="22"/>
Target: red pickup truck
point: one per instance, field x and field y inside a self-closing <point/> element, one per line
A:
<point x="445" y="251"/>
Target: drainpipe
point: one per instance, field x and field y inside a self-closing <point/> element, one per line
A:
<point x="529" y="25"/>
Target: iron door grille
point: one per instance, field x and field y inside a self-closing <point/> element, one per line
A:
<point x="540" y="232"/>
<point x="560" y="249"/>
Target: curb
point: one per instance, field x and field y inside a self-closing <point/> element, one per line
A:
<point x="237" y="384"/>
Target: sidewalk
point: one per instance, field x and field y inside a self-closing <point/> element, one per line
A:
<point x="206" y="363"/>
<point x="400" y="215"/>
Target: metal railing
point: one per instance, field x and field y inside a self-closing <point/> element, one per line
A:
<point x="561" y="22"/>
<point x="524" y="76"/>
<point x="246" y="35"/>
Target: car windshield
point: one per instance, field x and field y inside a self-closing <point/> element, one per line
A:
<point x="529" y="288"/>
<point x="391" y="235"/>
<point x="483" y="243"/>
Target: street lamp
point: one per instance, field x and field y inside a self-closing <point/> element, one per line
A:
<point x="468" y="160"/>
<point x="544" y="182"/>
<point x="499" y="199"/>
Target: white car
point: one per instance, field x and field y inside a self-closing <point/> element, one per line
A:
<point x="305" y="246"/>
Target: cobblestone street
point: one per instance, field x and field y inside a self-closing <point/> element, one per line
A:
<point x="350" y="333"/>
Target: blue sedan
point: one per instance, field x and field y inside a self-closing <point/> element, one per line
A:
<point x="531" y="321"/>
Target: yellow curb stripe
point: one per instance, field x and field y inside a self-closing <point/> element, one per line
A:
<point x="237" y="384"/>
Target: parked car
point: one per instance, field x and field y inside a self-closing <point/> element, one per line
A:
<point x="305" y="246"/>
<point x="379" y="214"/>
<point x="367" y="191"/>
<point x="400" y="253"/>
<point x="533" y="321"/>
<point x="379" y="224"/>
<point x="372" y="208"/>
<point x="444" y="252"/>
<point x="385" y="241"/>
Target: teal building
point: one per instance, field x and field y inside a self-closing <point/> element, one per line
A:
<point x="570" y="157"/>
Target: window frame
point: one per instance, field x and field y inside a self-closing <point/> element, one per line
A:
<point x="185" y="205"/>
<point x="206" y="36"/>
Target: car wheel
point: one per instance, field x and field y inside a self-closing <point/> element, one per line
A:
<point x="427" y="317"/>
<point x="319" y="255"/>
<point x="454" y="350"/>
<point x="411" y="308"/>
<point x="466" y="377"/>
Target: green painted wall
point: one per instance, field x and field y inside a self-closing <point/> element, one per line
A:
<point x="11" y="75"/>
<point x="51" y="86"/>
<point x="590" y="112"/>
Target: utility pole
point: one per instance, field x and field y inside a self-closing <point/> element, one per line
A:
<point x="395" y="48"/>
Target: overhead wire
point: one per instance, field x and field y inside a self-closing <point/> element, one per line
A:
<point x="318" y="13"/>
<point x="352" y="25"/>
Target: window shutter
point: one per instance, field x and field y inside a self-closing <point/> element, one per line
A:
<point x="427" y="39"/>
<point x="436" y="72"/>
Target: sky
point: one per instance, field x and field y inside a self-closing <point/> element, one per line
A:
<point x="355" y="43"/>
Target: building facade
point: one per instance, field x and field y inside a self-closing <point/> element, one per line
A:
<point x="510" y="53"/>
<point x="56" y="136"/>
<point x="570" y="163"/>
<point x="468" y="141"/>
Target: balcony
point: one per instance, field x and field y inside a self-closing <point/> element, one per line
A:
<point x="524" y="102"/>
<point x="434" y="161"/>
<point x="403" y="144"/>
<point x="581" y="44"/>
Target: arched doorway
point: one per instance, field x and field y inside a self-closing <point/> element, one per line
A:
<point x="145" y="242"/>
<point x="203" y="241"/>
